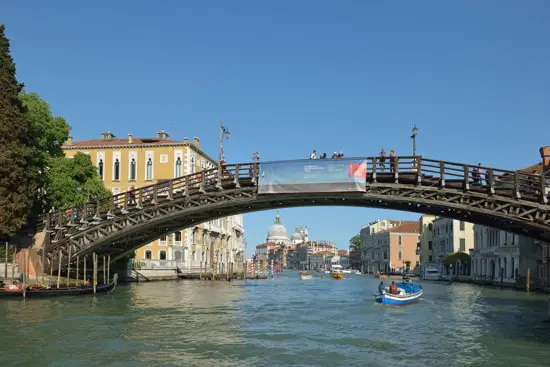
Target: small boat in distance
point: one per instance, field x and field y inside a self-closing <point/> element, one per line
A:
<point x="408" y="292"/>
<point x="304" y="275"/>
<point x="381" y="276"/>
<point x="357" y="272"/>
<point x="336" y="272"/>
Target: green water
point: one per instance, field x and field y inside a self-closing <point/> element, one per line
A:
<point x="279" y="322"/>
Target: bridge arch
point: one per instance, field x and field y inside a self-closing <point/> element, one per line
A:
<point x="510" y="200"/>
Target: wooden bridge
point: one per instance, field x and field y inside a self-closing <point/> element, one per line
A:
<point x="510" y="200"/>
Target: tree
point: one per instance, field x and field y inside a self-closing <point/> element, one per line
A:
<point x="355" y="243"/>
<point x="70" y="182"/>
<point x="47" y="135"/>
<point x="17" y="156"/>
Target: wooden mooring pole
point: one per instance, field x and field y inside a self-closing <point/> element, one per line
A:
<point x="108" y="268"/>
<point x="77" y="273"/>
<point x="43" y="263"/>
<point x="104" y="271"/>
<point x="84" y="275"/>
<point x="528" y="285"/>
<point x="59" y="269"/>
<point x="6" y="262"/>
<point x="69" y="268"/>
<point x="95" y="271"/>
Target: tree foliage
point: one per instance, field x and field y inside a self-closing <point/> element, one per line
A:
<point x="17" y="156"/>
<point x="70" y="182"/>
<point x="454" y="257"/>
<point x="355" y="243"/>
<point x="47" y="135"/>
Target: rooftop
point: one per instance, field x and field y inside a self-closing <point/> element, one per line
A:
<point x="404" y="227"/>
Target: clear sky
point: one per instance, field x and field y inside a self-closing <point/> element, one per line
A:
<point x="290" y="76"/>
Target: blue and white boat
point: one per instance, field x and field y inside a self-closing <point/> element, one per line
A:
<point x="409" y="292"/>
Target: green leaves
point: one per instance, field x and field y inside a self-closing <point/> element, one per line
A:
<point x="71" y="181"/>
<point x="355" y="243"/>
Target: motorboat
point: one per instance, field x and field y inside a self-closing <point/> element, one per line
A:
<point x="347" y="271"/>
<point x="431" y="274"/>
<point x="304" y="275"/>
<point x="357" y="272"/>
<point x="408" y="292"/>
<point x="336" y="272"/>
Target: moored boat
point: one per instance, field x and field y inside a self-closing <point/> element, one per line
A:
<point x="36" y="292"/>
<point x="408" y="292"/>
<point x="304" y="275"/>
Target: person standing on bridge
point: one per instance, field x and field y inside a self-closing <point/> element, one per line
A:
<point x="382" y="160"/>
<point x="393" y="161"/>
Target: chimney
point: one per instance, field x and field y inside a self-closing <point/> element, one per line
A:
<point x="186" y="140"/>
<point x="108" y="136"/>
<point x="162" y="135"/>
<point x="69" y="140"/>
<point x="130" y="138"/>
<point x="545" y="155"/>
<point x="197" y="142"/>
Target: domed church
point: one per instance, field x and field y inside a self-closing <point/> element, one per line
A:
<point x="277" y="233"/>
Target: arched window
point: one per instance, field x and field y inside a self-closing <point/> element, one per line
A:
<point x="100" y="168"/>
<point x="149" y="170"/>
<point x="162" y="255"/>
<point x="193" y="164"/>
<point x="148" y="255"/>
<point x="133" y="169"/>
<point x="116" y="176"/>
<point x="178" y="167"/>
<point x="194" y="236"/>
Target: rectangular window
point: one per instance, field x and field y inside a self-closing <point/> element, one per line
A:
<point x="399" y="256"/>
<point x="430" y="258"/>
<point x="177" y="236"/>
<point x="463" y="245"/>
<point x="429" y="245"/>
<point x="400" y="240"/>
<point x="462" y="225"/>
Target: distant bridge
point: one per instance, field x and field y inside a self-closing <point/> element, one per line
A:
<point x="509" y="200"/>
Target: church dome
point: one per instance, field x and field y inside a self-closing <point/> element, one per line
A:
<point x="277" y="232"/>
<point x="297" y="235"/>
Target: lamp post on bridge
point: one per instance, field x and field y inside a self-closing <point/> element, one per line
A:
<point x="223" y="132"/>
<point x="413" y="137"/>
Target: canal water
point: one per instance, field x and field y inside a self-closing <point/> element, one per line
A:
<point x="278" y="322"/>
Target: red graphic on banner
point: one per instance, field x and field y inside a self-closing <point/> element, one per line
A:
<point x="358" y="170"/>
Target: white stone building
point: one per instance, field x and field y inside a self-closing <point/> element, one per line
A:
<point x="495" y="251"/>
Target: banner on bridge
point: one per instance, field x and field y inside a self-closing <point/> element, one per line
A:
<point x="315" y="176"/>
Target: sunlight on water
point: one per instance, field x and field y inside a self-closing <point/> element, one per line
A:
<point x="279" y="322"/>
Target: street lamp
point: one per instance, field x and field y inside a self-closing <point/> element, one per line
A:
<point x="223" y="132"/>
<point x="413" y="137"/>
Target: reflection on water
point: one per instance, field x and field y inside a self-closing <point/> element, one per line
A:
<point x="278" y="322"/>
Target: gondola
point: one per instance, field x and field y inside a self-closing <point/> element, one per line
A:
<point x="38" y="292"/>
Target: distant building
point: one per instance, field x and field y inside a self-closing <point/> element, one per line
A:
<point x="393" y="249"/>
<point x="366" y="235"/>
<point x="277" y="233"/>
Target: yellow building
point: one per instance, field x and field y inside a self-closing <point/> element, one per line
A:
<point x="123" y="163"/>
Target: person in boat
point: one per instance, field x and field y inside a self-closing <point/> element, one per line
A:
<point x="87" y="283"/>
<point x="393" y="288"/>
<point x="381" y="288"/>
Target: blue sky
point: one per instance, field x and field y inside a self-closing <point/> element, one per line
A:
<point x="290" y="76"/>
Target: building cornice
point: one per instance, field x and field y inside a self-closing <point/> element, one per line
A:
<point x="140" y="146"/>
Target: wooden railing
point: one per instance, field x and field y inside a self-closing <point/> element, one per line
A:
<point x="401" y="170"/>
